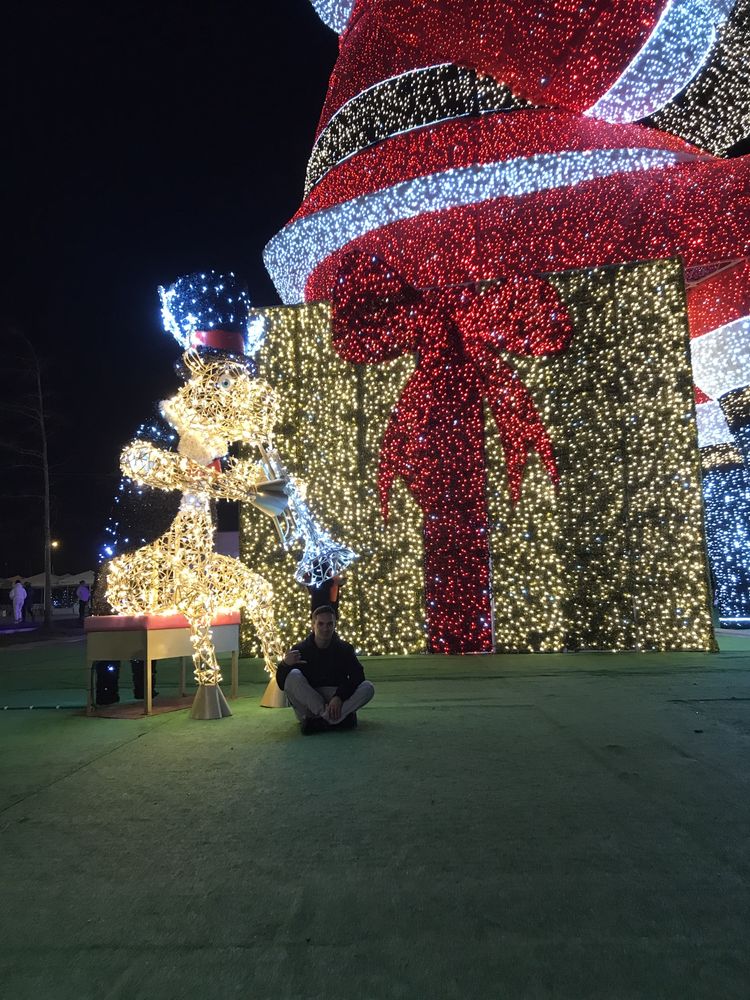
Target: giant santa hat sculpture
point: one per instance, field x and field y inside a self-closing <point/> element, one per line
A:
<point x="499" y="140"/>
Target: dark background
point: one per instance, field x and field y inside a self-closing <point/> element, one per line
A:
<point x="142" y="141"/>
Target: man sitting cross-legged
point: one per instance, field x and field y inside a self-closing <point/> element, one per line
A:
<point x="323" y="679"/>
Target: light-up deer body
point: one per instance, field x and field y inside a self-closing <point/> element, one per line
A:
<point x="179" y="572"/>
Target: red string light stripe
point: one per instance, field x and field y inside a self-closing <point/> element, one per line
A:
<point x="578" y="50"/>
<point x="493" y="138"/>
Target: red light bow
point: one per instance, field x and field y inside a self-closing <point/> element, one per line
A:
<point x="460" y="337"/>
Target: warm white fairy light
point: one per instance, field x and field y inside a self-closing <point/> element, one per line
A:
<point x="560" y="558"/>
<point x="180" y="572"/>
<point x="614" y="558"/>
<point x="400" y="104"/>
<point x="333" y="415"/>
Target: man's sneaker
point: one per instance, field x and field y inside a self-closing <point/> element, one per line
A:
<point x="313" y="724"/>
<point x="350" y="722"/>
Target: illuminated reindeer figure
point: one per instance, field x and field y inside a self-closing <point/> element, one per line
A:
<point x="221" y="403"/>
<point x="179" y="572"/>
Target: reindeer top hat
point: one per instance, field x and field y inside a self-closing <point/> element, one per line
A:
<point x="211" y="313"/>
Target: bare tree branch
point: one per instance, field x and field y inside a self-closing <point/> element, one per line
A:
<point x="17" y="449"/>
<point x="19" y="409"/>
<point x="30" y="404"/>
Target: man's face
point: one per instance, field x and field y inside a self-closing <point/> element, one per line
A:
<point x="323" y="627"/>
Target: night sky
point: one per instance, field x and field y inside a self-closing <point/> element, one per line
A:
<point x="143" y="142"/>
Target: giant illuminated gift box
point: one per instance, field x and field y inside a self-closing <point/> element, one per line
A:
<point x="612" y="558"/>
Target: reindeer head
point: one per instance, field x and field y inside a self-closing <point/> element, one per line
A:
<point x="220" y="403"/>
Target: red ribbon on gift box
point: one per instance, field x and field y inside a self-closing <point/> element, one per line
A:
<point x="435" y="438"/>
<point x="461" y="338"/>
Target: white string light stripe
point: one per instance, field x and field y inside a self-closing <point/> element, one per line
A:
<point x="721" y="358"/>
<point x="675" y="51"/>
<point x="334" y="13"/>
<point x="712" y="425"/>
<point x="304" y="244"/>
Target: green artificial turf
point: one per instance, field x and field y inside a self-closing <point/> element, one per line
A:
<point x="497" y="827"/>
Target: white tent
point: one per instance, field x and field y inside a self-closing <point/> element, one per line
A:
<point x="64" y="580"/>
<point x="62" y="583"/>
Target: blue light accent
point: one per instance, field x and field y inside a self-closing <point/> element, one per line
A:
<point x="334" y="13"/>
<point x="208" y="300"/>
<point x="726" y="489"/>
<point x="128" y="506"/>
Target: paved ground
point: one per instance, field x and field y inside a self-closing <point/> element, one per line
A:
<point x="508" y="827"/>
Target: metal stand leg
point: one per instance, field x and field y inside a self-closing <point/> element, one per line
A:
<point x="90" y="706"/>
<point x="235" y="673"/>
<point x="148" y="670"/>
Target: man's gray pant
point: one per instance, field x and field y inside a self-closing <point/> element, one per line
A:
<point x="308" y="701"/>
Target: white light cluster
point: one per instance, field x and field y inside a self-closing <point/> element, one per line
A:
<point x="721" y="358"/>
<point x="301" y="246"/>
<point x="726" y="501"/>
<point x="334" y="13"/>
<point x="183" y="327"/>
<point x="713" y="112"/>
<point x="322" y="558"/>
<point x="401" y="104"/>
<point x="713" y="428"/>
<point x="256" y="334"/>
<point x="674" y="53"/>
<point x="182" y="333"/>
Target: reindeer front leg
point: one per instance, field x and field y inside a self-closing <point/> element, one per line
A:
<point x="259" y="605"/>
<point x="209" y="702"/>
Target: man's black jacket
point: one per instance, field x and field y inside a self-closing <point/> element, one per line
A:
<point x="337" y="665"/>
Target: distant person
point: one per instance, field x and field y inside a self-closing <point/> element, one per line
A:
<point x="84" y="596"/>
<point x="28" y="604"/>
<point x="17" y="598"/>
<point x="323" y="679"/>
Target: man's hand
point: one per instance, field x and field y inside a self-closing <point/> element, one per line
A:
<point x="334" y="708"/>
<point x="293" y="658"/>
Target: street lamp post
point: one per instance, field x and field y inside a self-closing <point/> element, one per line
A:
<point x="51" y="544"/>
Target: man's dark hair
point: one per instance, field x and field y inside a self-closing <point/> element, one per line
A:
<point x="323" y="607"/>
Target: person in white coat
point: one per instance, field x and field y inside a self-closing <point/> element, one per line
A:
<point x="18" y="596"/>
